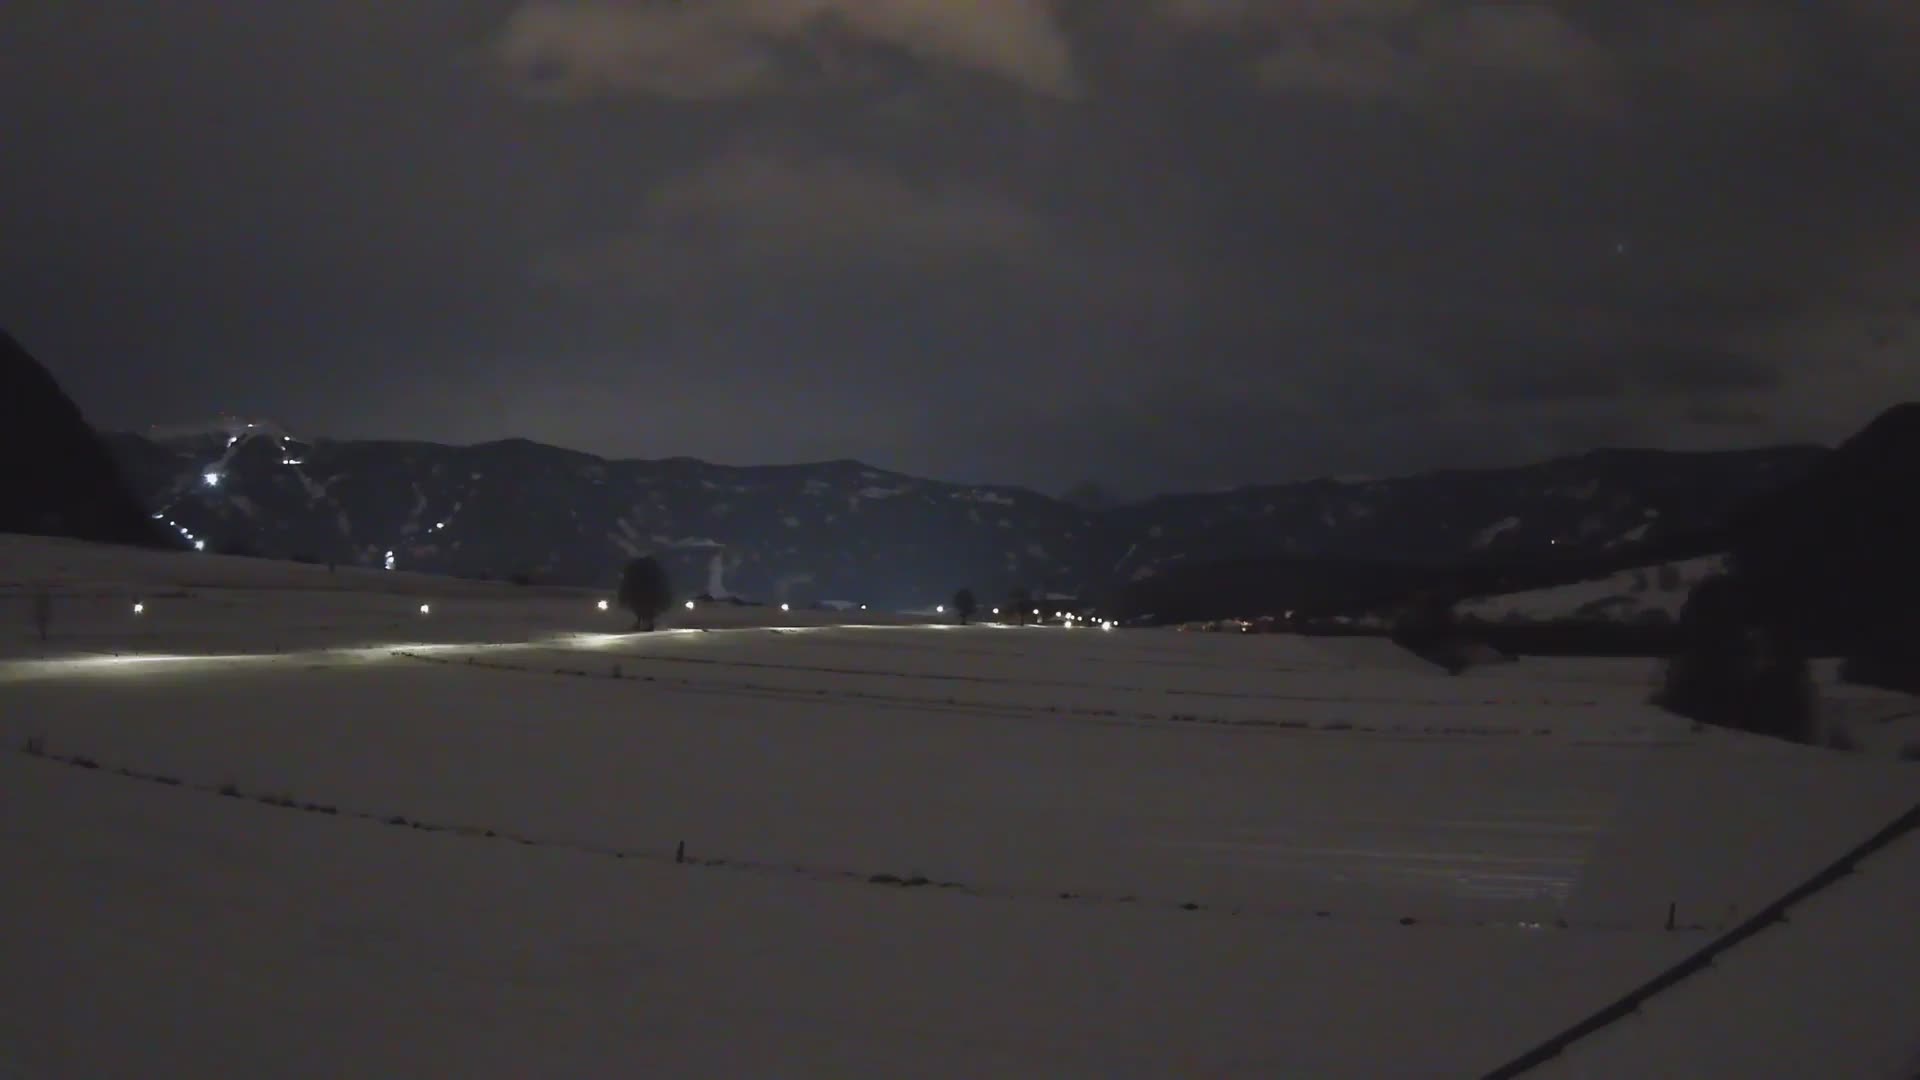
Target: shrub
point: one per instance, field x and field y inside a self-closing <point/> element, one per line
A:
<point x="964" y="605"/>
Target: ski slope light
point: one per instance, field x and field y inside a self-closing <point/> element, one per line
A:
<point x="211" y="478"/>
<point x="199" y="545"/>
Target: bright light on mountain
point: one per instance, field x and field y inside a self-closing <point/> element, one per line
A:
<point x="212" y="478"/>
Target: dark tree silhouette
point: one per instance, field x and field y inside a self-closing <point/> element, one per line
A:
<point x="964" y="605"/>
<point x="1428" y="629"/>
<point x="1738" y="664"/>
<point x="1021" y="601"/>
<point x="644" y="590"/>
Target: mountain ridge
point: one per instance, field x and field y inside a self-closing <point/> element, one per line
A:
<point x="847" y="530"/>
<point x="57" y="477"/>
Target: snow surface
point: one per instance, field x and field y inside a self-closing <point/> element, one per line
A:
<point x="1147" y="853"/>
<point x="1846" y="958"/>
<point x="1625" y="596"/>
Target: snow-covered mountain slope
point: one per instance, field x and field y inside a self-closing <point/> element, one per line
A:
<point x="1654" y="593"/>
<point x="844" y="530"/>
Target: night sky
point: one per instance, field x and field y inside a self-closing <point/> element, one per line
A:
<point x="1153" y="243"/>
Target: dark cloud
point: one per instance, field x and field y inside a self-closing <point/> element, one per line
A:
<point x="1153" y="242"/>
<point x="581" y="49"/>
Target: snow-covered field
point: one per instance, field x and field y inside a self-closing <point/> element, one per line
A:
<point x="909" y="849"/>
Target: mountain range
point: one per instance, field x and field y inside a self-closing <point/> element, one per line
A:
<point x="845" y="531"/>
<point x="1826" y="534"/>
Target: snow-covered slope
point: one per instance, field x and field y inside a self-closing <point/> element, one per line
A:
<point x="1641" y="594"/>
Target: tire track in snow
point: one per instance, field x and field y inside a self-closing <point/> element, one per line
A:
<point x="910" y="882"/>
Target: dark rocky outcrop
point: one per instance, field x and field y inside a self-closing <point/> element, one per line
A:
<point x="56" y="476"/>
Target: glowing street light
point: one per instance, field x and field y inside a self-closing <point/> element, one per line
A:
<point x="139" y="608"/>
<point x="211" y="478"/>
<point x="199" y="545"/>
<point x="786" y="607"/>
<point x="940" y="609"/>
<point x="689" y="605"/>
<point x="602" y="605"/>
<point x="426" y="609"/>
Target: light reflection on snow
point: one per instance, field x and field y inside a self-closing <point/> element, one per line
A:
<point x="69" y="666"/>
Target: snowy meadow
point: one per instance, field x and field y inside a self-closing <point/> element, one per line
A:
<point x="266" y="818"/>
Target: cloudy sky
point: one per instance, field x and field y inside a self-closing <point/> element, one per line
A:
<point x="1155" y="243"/>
